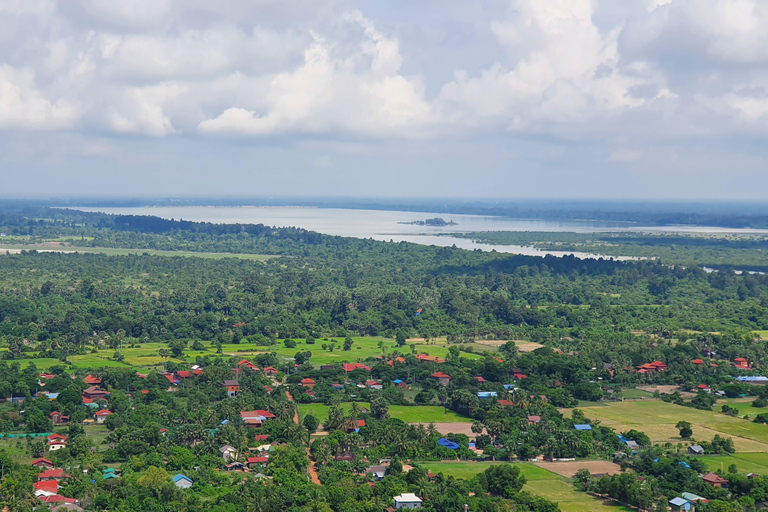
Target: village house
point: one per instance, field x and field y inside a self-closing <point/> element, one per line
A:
<point x="442" y="378"/>
<point x="92" y="381"/>
<point x="56" y="445"/>
<point x="407" y="500"/>
<point x="233" y="387"/>
<point x="253" y="462"/>
<point x="227" y="452"/>
<point x="308" y="383"/>
<point x="533" y="420"/>
<point x="94" y="393"/>
<point x="378" y="471"/>
<point x="399" y="383"/>
<point x="680" y="504"/>
<point x="46" y="488"/>
<point x="182" y="482"/>
<point x="348" y="367"/>
<point x="52" y="474"/>
<point x="59" y="419"/>
<point x="257" y="417"/>
<point x="696" y="450"/>
<point x="43" y="463"/>
<point x="355" y="425"/>
<point x="715" y="480"/>
<point x="374" y="385"/>
<point x="101" y="416"/>
<point x="424" y="358"/>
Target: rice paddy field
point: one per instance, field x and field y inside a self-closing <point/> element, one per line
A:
<point x="657" y="419"/>
<point x="540" y="481"/>
<point x="409" y="414"/>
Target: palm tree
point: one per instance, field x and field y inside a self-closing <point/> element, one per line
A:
<point x="354" y="411"/>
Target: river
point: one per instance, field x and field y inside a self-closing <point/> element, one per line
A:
<point x="388" y="225"/>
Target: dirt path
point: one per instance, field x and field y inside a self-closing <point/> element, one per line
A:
<point x="312" y="466"/>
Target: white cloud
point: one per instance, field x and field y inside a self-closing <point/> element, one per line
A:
<point x="359" y="92"/>
<point x="260" y="68"/>
<point x="22" y="105"/>
<point x="141" y="110"/>
<point x="567" y="72"/>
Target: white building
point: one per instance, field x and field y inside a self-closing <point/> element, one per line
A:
<point x="407" y="500"/>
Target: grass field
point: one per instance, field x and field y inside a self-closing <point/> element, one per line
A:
<point x="745" y="462"/>
<point x="362" y="348"/>
<point x="657" y="419"/>
<point x="409" y="414"/>
<point x="745" y="407"/>
<point x="145" y="355"/>
<point x="540" y="482"/>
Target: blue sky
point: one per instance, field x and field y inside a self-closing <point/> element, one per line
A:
<point x="636" y="99"/>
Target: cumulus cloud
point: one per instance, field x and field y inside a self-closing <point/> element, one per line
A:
<point x="667" y="68"/>
<point x="359" y="91"/>
<point x="22" y="105"/>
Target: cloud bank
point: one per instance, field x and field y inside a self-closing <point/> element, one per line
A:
<point x="638" y="82"/>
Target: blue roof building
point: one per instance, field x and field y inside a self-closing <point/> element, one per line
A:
<point x="583" y="426"/>
<point x="448" y="444"/>
<point x="182" y="481"/>
<point x="486" y="394"/>
<point x="752" y="378"/>
<point x="680" y="504"/>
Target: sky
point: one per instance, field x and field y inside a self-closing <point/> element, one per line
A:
<point x="577" y="99"/>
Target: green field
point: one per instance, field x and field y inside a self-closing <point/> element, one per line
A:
<point x="409" y="414"/>
<point x="363" y="347"/>
<point x="540" y="482"/>
<point x="745" y="462"/>
<point x="657" y="419"/>
<point x="744" y="406"/>
<point x="145" y="355"/>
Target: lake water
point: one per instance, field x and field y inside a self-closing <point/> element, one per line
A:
<point x="386" y="225"/>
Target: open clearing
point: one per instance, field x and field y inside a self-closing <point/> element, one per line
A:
<point x="745" y="462"/>
<point x="658" y="419"/>
<point x="540" y="482"/>
<point x="145" y="355"/>
<point x="410" y="414"/>
<point x="522" y="345"/>
<point x="569" y="469"/>
<point x="464" y="427"/>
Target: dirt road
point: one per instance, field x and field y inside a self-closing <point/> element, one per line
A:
<point x="312" y="466"/>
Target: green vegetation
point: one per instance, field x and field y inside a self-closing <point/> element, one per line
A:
<point x="408" y="414"/>
<point x="529" y="356"/>
<point x="740" y="251"/>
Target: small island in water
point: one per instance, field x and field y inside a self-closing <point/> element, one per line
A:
<point x="437" y="221"/>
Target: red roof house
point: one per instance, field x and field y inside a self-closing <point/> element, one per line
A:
<point x="92" y="381"/>
<point x="443" y="378"/>
<point x="52" y="474"/>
